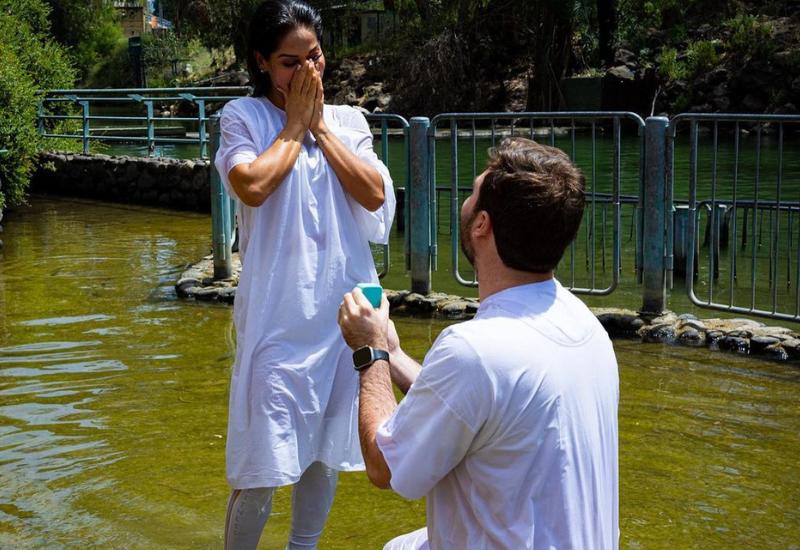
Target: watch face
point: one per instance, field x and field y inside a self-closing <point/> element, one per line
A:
<point x="362" y="356"/>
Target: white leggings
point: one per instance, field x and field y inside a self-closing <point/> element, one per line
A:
<point x="249" y="509"/>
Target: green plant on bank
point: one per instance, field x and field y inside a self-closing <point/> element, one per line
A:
<point x="701" y="56"/>
<point x="670" y="68"/>
<point x="750" y="37"/>
<point x="29" y="62"/>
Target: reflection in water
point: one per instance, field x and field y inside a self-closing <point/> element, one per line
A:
<point x="113" y="405"/>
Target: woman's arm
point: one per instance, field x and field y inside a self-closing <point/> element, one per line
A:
<point x="358" y="178"/>
<point x="255" y="181"/>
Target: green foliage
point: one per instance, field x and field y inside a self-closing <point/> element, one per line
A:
<point x="749" y="36"/>
<point x="701" y="57"/>
<point x="669" y="66"/>
<point x="29" y="62"/>
<point x="89" y="28"/>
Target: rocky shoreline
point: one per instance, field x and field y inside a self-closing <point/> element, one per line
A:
<point x="744" y="336"/>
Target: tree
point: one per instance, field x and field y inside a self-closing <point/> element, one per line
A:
<point x="89" y="28"/>
<point x="29" y="62"/>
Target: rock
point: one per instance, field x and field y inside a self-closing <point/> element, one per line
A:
<point x="754" y="104"/>
<point x="622" y="72"/>
<point x="690" y="336"/>
<point x="739" y="333"/>
<point x="624" y="57"/>
<point x="734" y="343"/>
<point x="687" y="317"/>
<point x="226" y="294"/>
<point x="621" y="323"/>
<point x="661" y="334"/>
<point x="759" y="343"/>
<point x="776" y="352"/>
<point x="667" y="317"/>
<point x="454" y="310"/>
<point x="713" y="337"/>
<point x="796" y="85"/>
<point x="696" y="325"/>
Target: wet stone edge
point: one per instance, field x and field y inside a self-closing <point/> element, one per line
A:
<point x="738" y="335"/>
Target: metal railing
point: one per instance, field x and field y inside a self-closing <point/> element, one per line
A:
<point x="747" y="261"/>
<point x="559" y="130"/>
<point x="94" y="127"/>
<point x="746" y="197"/>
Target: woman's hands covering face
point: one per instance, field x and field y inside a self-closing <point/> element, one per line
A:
<point x="301" y="97"/>
<point x="305" y="99"/>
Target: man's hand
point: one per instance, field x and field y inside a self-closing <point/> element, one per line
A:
<point x="362" y="324"/>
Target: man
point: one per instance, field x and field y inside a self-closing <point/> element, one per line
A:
<point x="510" y="425"/>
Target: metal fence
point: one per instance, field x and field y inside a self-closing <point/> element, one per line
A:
<point x="743" y="198"/>
<point x="99" y="115"/>
<point x="698" y="197"/>
<point x="597" y="250"/>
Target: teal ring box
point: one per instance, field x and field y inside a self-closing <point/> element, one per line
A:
<point x="373" y="292"/>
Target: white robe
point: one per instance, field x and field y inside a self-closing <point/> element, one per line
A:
<point x="293" y="396"/>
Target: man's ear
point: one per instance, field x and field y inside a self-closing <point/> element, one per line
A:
<point x="482" y="226"/>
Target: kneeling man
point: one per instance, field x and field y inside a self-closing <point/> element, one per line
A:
<point x="509" y="427"/>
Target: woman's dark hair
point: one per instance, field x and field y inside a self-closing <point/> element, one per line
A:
<point x="270" y="23"/>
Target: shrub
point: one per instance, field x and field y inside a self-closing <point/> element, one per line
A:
<point x="29" y="62"/>
<point x="750" y="37"/>
<point x="701" y="57"/>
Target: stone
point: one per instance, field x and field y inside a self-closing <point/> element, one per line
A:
<point x="734" y="343"/>
<point x="622" y="72"/>
<point x="691" y="323"/>
<point x="759" y="343"/>
<point x="776" y="352"/>
<point x="621" y="323"/>
<point x="661" y="334"/>
<point x="713" y="337"/>
<point x="454" y="310"/>
<point x="624" y="57"/>
<point x="690" y="336"/>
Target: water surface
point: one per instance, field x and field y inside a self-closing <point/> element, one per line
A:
<point x="113" y="404"/>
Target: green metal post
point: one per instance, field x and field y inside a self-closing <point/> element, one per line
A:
<point x="654" y="217"/>
<point x="220" y="212"/>
<point x="419" y="208"/>
<point x="201" y="128"/>
<point x="85" y="109"/>
<point x="150" y="129"/>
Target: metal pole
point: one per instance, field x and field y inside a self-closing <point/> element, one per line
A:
<point x="85" y="110"/>
<point x="419" y="208"/>
<point x="201" y="128"/>
<point x="654" y="290"/>
<point x="150" y="130"/>
<point x="220" y="207"/>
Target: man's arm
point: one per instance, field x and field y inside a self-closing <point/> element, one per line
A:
<point x="403" y="369"/>
<point x="363" y="325"/>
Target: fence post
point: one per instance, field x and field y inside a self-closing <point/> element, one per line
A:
<point x="419" y="213"/>
<point x="220" y="211"/>
<point x="86" y="131"/>
<point x="150" y="130"/>
<point x="654" y="217"/>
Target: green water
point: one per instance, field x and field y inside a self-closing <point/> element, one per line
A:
<point x="113" y="403"/>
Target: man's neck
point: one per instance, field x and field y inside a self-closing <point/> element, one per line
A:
<point x="496" y="277"/>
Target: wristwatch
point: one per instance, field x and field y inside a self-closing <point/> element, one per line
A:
<point x="364" y="357"/>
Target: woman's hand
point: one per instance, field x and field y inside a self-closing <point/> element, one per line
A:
<point x="317" y="125"/>
<point x="300" y="99"/>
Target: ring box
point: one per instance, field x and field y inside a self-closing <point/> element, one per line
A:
<point x="373" y="292"/>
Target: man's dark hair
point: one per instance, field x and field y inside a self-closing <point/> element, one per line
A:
<point x="271" y="22"/>
<point x="534" y="196"/>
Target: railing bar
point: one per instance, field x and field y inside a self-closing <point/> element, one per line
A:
<point x="775" y="235"/>
<point x="712" y="242"/>
<point x="552" y="134"/>
<point x="693" y="228"/>
<point x="754" y="260"/>
<point x="454" y="198"/>
<point x="594" y="187"/>
<point x="732" y="232"/>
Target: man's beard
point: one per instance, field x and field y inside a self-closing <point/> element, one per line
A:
<point x="465" y="239"/>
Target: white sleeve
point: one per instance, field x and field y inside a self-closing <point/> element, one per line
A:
<point x="236" y="145"/>
<point x="434" y="426"/>
<point x="376" y="226"/>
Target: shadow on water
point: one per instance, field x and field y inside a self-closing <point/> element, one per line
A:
<point x="113" y="405"/>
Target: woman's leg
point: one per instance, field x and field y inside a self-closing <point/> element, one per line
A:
<point x="248" y="511"/>
<point x="312" y="497"/>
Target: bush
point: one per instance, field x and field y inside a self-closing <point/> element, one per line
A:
<point x="701" y="57"/>
<point x="750" y="37"/>
<point x="670" y="68"/>
<point x="29" y="62"/>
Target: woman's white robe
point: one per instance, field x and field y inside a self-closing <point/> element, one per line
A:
<point x="294" y="392"/>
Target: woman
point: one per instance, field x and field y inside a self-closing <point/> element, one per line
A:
<point x="312" y="193"/>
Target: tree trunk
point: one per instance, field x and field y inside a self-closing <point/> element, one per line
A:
<point x="551" y="48"/>
<point x="607" y="23"/>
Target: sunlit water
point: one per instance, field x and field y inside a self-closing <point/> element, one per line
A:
<point x="113" y="404"/>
